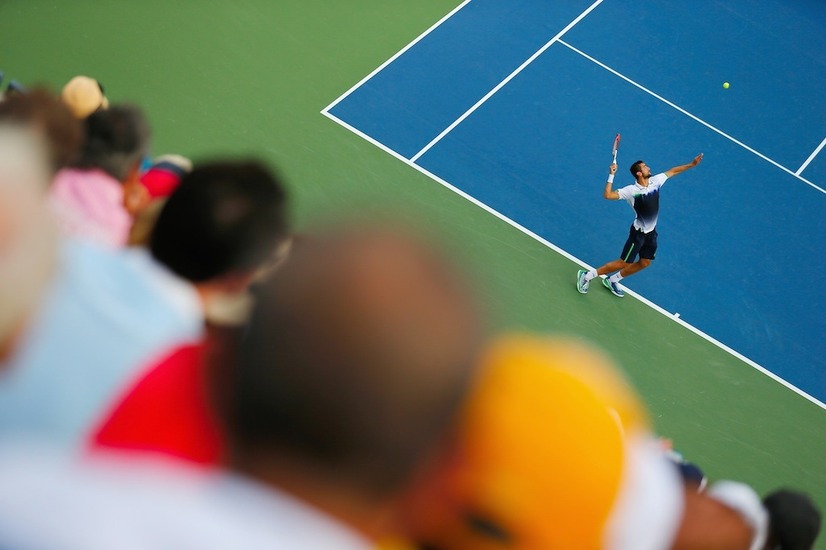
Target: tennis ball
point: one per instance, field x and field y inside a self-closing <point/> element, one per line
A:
<point x="726" y="85"/>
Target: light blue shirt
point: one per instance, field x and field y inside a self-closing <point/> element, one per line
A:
<point x="107" y="314"/>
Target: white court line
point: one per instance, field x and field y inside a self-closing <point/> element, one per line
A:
<point x="811" y="157"/>
<point x="701" y="121"/>
<point x="510" y="77"/>
<point x="574" y="259"/>
<point x="396" y="56"/>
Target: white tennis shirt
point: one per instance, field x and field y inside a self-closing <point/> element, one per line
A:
<point x="645" y="201"/>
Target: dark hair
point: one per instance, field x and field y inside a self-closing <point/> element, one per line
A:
<point x="224" y="217"/>
<point x="358" y="352"/>
<point x="794" y="520"/>
<point x="636" y="167"/>
<point x="116" y="140"/>
<point x="43" y="111"/>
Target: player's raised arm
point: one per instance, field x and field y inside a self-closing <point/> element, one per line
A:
<point x="609" y="193"/>
<point x="677" y="169"/>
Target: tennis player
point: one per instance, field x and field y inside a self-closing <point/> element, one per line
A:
<point x="644" y="198"/>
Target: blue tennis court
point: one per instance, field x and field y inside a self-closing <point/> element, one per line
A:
<point x="515" y="103"/>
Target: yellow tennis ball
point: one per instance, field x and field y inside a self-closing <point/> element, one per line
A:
<point x="726" y="85"/>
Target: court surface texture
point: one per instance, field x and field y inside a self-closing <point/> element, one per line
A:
<point x="490" y="124"/>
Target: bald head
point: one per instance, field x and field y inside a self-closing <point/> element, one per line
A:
<point x="27" y="236"/>
<point x="359" y="351"/>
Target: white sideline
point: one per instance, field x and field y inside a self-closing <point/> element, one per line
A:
<point x="396" y="56"/>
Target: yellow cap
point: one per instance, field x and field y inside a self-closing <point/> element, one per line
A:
<point x="541" y="450"/>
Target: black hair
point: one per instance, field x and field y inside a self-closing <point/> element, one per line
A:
<point x="223" y="217"/>
<point x="116" y="140"/>
<point x="636" y="167"/>
<point x="794" y="520"/>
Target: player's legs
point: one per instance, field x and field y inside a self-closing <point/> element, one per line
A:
<point x="583" y="277"/>
<point x="636" y="267"/>
<point x="647" y="243"/>
<point x="647" y="252"/>
<point x="610" y="267"/>
<point x="629" y="253"/>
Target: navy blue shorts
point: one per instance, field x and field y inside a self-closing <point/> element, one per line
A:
<point x="644" y="244"/>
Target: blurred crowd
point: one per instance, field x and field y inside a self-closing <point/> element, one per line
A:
<point x="180" y="369"/>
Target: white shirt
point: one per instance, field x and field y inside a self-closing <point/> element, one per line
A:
<point x="649" y="507"/>
<point x="54" y="504"/>
<point x="107" y="314"/>
<point x="645" y="201"/>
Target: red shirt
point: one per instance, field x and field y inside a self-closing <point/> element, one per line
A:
<point x="167" y="411"/>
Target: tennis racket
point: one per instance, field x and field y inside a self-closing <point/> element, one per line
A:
<point x="616" y="147"/>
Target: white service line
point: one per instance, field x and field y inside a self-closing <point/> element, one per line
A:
<point x="701" y="121"/>
<point x="396" y="56"/>
<point x="510" y="77"/>
<point x="811" y="157"/>
<point x="574" y="259"/>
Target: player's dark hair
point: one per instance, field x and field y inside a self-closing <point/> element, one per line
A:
<point x="116" y="140"/>
<point x="224" y="217"/>
<point x="794" y="520"/>
<point x="636" y="167"/>
<point x="44" y="111"/>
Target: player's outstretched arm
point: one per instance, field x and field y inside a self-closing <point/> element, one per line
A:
<point x="677" y="169"/>
<point x="609" y="193"/>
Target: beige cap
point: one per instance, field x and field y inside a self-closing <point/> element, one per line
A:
<point x="84" y="96"/>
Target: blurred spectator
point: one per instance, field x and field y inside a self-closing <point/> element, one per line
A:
<point x="89" y="199"/>
<point x="144" y="222"/>
<point x="168" y="411"/>
<point x="84" y="96"/>
<point x="27" y="235"/>
<point x="692" y="475"/>
<point x="14" y="87"/>
<point x="158" y="182"/>
<point x="794" y="520"/>
<point x="334" y="397"/>
<point x="554" y="451"/>
<point x="105" y="315"/>
<point x="165" y="174"/>
<point x="221" y="224"/>
<point x="220" y="227"/>
<point x="42" y="111"/>
<point x="333" y="407"/>
<point x="110" y="314"/>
